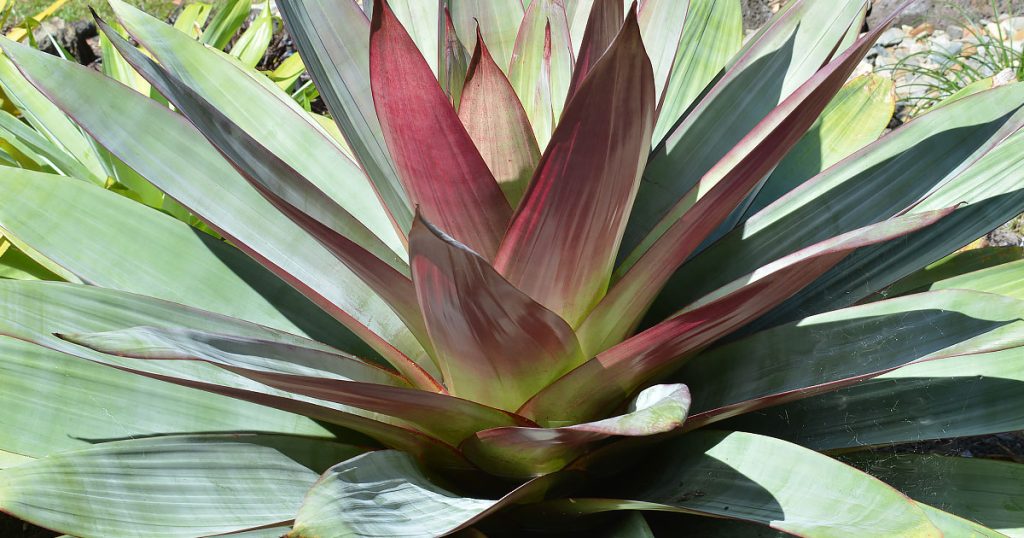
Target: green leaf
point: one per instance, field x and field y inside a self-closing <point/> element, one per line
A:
<point x="55" y="402"/>
<point x="253" y="43"/>
<point x="36" y="312"/>
<point x="333" y="38"/>
<point x="31" y="143"/>
<point x="349" y="498"/>
<point x="192" y="18"/>
<point x="149" y="253"/>
<point x="541" y="66"/>
<point x="423" y="21"/>
<point x="878" y="182"/>
<point x="225" y="23"/>
<point x="661" y="24"/>
<point x="960" y="264"/>
<point x="789" y="362"/>
<point x="498" y="21"/>
<point x="954" y="397"/>
<point x="179" y="486"/>
<point x="15" y="264"/>
<point x="987" y="491"/>
<point x="116" y="68"/>
<point x="454" y="62"/>
<point x="855" y="117"/>
<point x="279" y="125"/>
<point x="49" y="120"/>
<point x="712" y="34"/>
<point x="1003" y="279"/>
<point x="211" y="188"/>
<point x="989" y="195"/>
<point x="764" y="480"/>
<point x="773" y="64"/>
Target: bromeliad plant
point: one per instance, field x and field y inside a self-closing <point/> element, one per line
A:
<point x="593" y="260"/>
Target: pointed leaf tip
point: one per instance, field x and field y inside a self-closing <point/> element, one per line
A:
<point x="576" y="206"/>
<point x="437" y="162"/>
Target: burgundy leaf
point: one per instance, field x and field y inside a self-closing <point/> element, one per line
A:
<point x="449" y="419"/>
<point x="440" y="168"/>
<point x="603" y="25"/>
<point x="639" y="279"/>
<point x="561" y="245"/>
<point x="602" y="383"/>
<point x="496" y="121"/>
<point x="494" y="344"/>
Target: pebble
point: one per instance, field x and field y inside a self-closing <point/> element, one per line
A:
<point x="890" y="37"/>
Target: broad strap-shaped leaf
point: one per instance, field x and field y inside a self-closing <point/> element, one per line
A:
<point x="252" y="44"/>
<point x="423" y="21"/>
<point x="178" y="486"/>
<point x="333" y="38"/>
<point x="228" y="19"/>
<point x="643" y="273"/>
<point x="857" y="116"/>
<point x="494" y="344"/>
<point x="786" y="363"/>
<point x="525" y="452"/>
<point x="767" y="481"/>
<point x="993" y="195"/>
<point x="36" y="311"/>
<point x="661" y="24"/>
<point x="955" y="397"/>
<point x="348" y="501"/>
<point x="988" y="269"/>
<point x="211" y="188"/>
<point x="497" y="20"/>
<point x="612" y="375"/>
<point x="280" y="126"/>
<point x="773" y="65"/>
<point x="881" y="180"/>
<point x="41" y="150"/>
<point x="712" y="33"/>
<point x="603" y="25"/>
<point x="454" y="62"/>
<point x="497" y="123"/>
<point x="439" y="166"/>
<point x="336" y="229"/>
<point x="40" y="419"/>
<point x="307" y="372"/>
<point x="49" y="120"/>
<point x="987" y="491"/>
<point x="147" y="252"/>
<point x="542" y="64"/>
<point x="561" y="245"/>
<point x="232" y="350"/>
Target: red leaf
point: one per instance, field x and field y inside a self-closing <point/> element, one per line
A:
<point x="494" y="344"/>
<point x="496" y="121"/>
<point x="602" y="26"/>
<point x="439" y="166"/>
<point x="561" y="245"/>
<point x="613" y="375"/>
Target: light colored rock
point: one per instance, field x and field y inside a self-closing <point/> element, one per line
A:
<point x="891" y="37"/>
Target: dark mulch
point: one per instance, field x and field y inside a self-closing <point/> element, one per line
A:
<point x="15" y="528"/>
